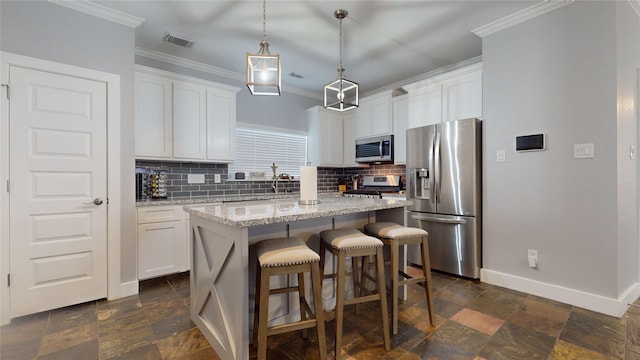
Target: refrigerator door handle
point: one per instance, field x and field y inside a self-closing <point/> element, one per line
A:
<point x="444" y="220"/>
<point x="436" y="156"/>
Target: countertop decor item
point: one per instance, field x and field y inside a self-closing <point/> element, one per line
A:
<point x="341" y="94"/>
<point x="263" y="68"/>
<point x="308" y="185"/>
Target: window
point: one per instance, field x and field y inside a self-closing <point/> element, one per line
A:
<point x="259" y="147"/>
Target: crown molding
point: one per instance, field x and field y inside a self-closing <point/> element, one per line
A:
<point x="100" y="11"/>
<point x="635" y="5"/>
<point x="175" y="60"/>
<point x="521" y="16"/>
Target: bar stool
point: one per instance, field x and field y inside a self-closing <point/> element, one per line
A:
<point x="352" y="243"/>
<point x="285" y="256"/>
<point x="395" y="235"/>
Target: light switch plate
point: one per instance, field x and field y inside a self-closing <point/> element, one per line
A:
<point x="501" y="156"/>
<point x="583" y="151"/>
<point x="195" y="178"/>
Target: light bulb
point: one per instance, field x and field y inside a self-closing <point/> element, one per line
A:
<point x="341" y="96"/>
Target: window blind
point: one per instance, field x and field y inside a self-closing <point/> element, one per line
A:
<point x="257" y="149"/>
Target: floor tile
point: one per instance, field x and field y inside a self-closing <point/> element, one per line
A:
<point x="497" y="302"/>
<point x="567" y="351"/>
<point x="466" y="338"/>
<point x="597" y="332"/>
<point x="67" y="338"/>
<point x="86" y="351"/>
<point x="182" y="344"/>
<point x="513" y="342"/>
<point x="545" y="316"/>
<point x="483" y="323"/>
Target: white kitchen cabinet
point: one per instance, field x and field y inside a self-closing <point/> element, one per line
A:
<point x="162" y="241"/>
<point x="400" y="106"/>
<point x="325" y="140"/>
<point x="350" y="131"/>
<point x="221" y="117"/>
<point x="450" y="96"/>
<point x="183" y="118"/>
<point x="374" y="115"/>
<point x="153" y="114"/>
<point x="462" y="97"/>
<point x="189" y="121"/>
<point x="425" y="105"/>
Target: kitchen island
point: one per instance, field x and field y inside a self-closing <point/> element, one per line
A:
<point x="221" y="269"/>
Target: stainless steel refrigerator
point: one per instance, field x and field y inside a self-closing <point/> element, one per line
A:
<point x="444" y="165"/>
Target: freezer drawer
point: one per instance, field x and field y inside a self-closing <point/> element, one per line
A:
<point x="454" y="243"/>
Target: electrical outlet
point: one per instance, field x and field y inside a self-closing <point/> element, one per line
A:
<point x="195" y="178"/>
<point x="216" y="178"/>
<point x="532" y="257"/>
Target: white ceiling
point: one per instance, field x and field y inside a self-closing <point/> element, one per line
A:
<point x="384" y="42"/>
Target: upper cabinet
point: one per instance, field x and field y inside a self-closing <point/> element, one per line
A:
<point x="325" y="140"/>
<point x="451" y="96"/>
<point x="400" y="105"/>
<point x="153" y="116"/>
<point x="182" y="118"/>
<point x="373" y="116"/>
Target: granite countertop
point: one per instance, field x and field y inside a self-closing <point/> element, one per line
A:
<point x="263" y="212"/>
<point x="216" y="199"/>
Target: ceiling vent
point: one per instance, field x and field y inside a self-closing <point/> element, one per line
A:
<point x="177" y="40"/>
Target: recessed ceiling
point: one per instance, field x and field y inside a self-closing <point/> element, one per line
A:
<point x="384" y="42"/>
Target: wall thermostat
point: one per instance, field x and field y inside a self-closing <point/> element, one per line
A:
<point x="530" y="142"/>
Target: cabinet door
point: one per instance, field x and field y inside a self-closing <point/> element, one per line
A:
<point x="152" y="116"/>
<point x="161" y="248"/>
<point x="381" y="123"/>
<point x="400" y="122"/>
<point x="325" y="140"/>
<point x="221" y="125"/>
<point x="189" y="121"/>
<point x="462" y="97"/>
<point x="425" y="106"/>
<point x="350" y="131"/>
<point x="363" y="119"/>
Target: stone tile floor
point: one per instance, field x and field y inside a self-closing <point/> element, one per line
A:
<point x="474" y="321"/>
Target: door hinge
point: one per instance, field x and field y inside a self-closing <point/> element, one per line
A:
<point x="7" y="86"/>
<point x="8" y="280"/>
<point x="8" y="186"/>
<point x="107" y="201"/>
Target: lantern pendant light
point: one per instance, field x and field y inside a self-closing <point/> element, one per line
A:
<point x="263" y="68"/>
<point x="341" y="94"/>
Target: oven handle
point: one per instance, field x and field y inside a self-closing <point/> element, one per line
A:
<point x="438" y="219"/>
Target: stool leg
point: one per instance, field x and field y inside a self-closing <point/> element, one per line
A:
<point x="256" y="306"/>
<point x="264" y="313"/>
<point x="357" y="279"/>
<point x="316" y="284"/>
<point x="382" y="285"/>
<point x="394" y="256"/>
<point x="340" y="285"/>
<point x="426" y="270"/>
<point x="301" y="296"/>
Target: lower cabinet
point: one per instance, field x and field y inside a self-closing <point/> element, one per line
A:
<point x="162" y="241"/>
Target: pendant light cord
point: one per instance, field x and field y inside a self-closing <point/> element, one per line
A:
<point x="264" y="20"/>
<point x="340" y="43"/>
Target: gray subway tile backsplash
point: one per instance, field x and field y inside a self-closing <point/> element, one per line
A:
<point x="179" y="188"/>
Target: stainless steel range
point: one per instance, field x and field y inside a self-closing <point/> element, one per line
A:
<point x="376" y="186"/>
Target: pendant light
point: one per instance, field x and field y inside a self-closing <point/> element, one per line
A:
<point x="341" y="94"/>
<point x="263" y="69"/>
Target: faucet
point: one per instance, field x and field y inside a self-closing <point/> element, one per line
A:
<point x="274" y="183"/>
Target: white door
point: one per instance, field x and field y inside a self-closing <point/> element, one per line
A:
<point x="58" y="235"/>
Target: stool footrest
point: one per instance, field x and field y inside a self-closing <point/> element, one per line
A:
<point x="304" y="324"/>
<point x="362" y="299"/>
<point x="411" y="281"/>
<point x="284" y="290"/>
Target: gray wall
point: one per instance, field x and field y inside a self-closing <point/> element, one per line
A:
<point x="563" y="74"/>
<point x="47" y="31"/>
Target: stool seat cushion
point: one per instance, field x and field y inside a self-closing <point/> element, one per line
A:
<point x="391" y="230"/>
<point x="349" y="239"/>
<point x="284" y="252"/>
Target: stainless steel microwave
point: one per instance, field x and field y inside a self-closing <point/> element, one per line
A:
<point x="377" y="149"/>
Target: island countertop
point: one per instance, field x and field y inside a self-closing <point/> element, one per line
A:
<point x="263" y="212"/>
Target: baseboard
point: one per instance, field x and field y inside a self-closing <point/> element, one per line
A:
<point x="598" y="303"/>
<point x="127" y="289"/>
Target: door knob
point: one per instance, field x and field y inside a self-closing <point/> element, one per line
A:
<point x="96" y="201"/>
